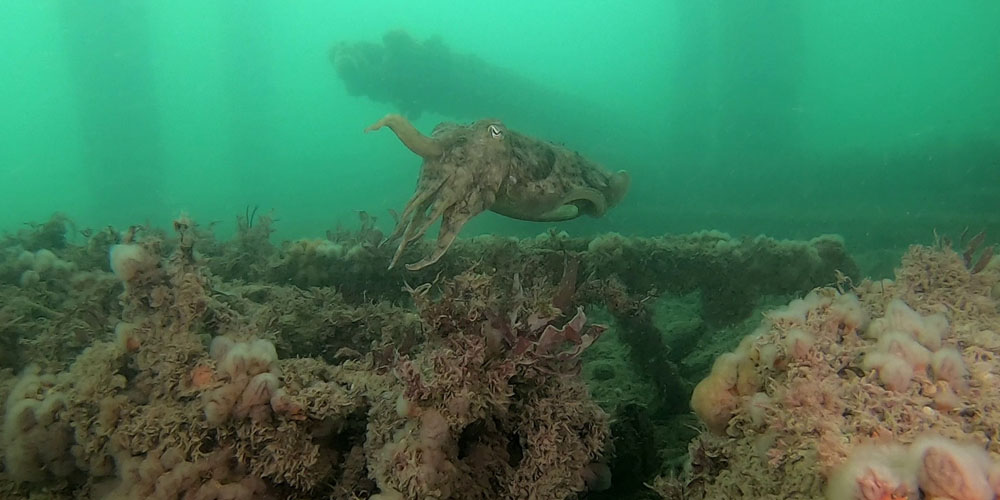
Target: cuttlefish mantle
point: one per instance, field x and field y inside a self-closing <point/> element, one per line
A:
<point x="468" y="169"/>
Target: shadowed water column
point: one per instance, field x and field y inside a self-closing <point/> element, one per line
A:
<point x="735" y="110"/>
<point x="694" y="84"/>
<point x="106" y="45"/>
<point x="250" y="89"/>
<point x="415" y="76"/>
<point x="760" y="51"/>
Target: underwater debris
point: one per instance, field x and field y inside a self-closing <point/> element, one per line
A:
<point x="971" y="247"/>
<point x="51" y="234"/>
<point x="248" y="217"/>
<point x="970" y="251"/>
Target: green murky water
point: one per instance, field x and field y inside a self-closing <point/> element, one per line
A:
<point x="877" y="121"/>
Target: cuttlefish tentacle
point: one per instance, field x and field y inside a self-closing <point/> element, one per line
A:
<point x="409" y="235"/>
<point x="411" y="225"/>
<point x="453" y="217"/>
<point x="453" y="214"/>
<point x="437" y="210"/>
<point x="419" y="199"/>
<point x="420" y="144"/>
<point x="451" y="225"/>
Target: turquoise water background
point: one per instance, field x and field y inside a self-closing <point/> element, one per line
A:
<point x="876" y="120"/>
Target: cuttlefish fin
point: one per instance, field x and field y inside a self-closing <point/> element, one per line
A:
<point x="564" y="212"/>
<point x="619" y="184"/>
<point x="423" y="146"/>
<point x="579" y="201"/>
<point x="589" y="201"/>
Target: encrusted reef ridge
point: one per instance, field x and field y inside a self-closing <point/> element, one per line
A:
<point x="883" y="390"/>
<point x="190" y="399"/>
<point x="168" y="364"/>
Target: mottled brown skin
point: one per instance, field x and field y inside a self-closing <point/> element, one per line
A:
<point x="468" y="169"/>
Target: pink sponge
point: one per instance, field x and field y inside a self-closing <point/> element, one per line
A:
<point x="219" y="403"/>
<point x="947" y="365"/>
<point x="847" y="315"/>
<point x="894" y="372"/>
<point x="928" y="330"/>
<point x="255" y="400"/>
<point x="129" y="260"/>
<point x="715" y="399"/>
<point x="35" y="444"/>
<point x="903" y="346"/>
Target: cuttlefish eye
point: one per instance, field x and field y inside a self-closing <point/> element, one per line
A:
<point x="495" y="132"/>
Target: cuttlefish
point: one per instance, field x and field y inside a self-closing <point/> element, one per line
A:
<point x="468" y="169"/>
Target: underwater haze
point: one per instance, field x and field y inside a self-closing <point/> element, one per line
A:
<point x="875" y="120"/>
<point x="546" y="249"/>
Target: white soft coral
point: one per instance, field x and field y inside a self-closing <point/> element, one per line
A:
<point x="932" y="467"/>
<point x="953" y="471"/>
<point x="874" y="473"/>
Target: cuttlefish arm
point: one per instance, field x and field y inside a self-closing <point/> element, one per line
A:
<point x="414" y="221"/>
<point x="455" y="198"/>
<point x="447" y="189"/>
<point x="451" y="224"/>
<point x="423" y="146"/>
